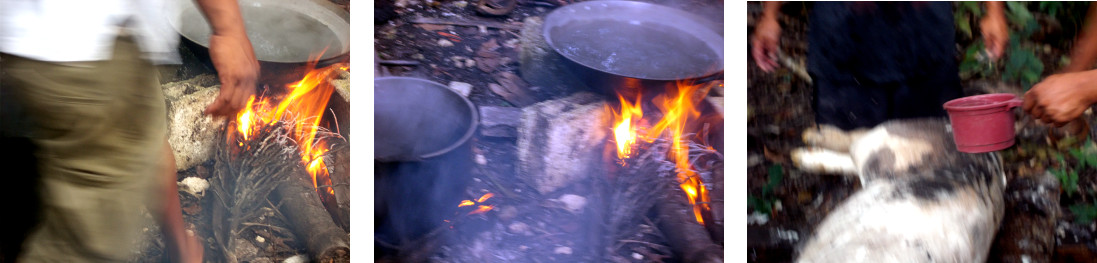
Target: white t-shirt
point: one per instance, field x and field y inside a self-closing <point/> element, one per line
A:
<point x="81" y="30"/>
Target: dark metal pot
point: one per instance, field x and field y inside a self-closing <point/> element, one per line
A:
<point x="285" y="34"/>
<point x="423" y="155"/>
<point x="612" y="44"/>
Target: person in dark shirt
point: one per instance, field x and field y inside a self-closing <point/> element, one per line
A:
<point x="872" y="61"/>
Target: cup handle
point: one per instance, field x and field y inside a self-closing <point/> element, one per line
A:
<point x="1013" y="103"/>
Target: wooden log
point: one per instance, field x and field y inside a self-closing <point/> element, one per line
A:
<point x="340" y="180"/>
<point x="686" y="237"/>
<point x="268" y="166"/>
<point x="310" y="222"/>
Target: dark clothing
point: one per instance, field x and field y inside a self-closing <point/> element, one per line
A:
<point x="872" y="62"/>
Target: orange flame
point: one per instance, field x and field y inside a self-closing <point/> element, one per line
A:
<point x="303" y="108"/>
<point x="623" y="132"/>
<point x="679" y="105"/>
<point x="465" y="203"/>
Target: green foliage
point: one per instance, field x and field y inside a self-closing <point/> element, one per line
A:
<point x="1084" y="213"/>
<point x="764" y="204"/>
<point x="1085" y="155"/>
<point x="1068" y="178"/>
<point x="1020" y="64"/>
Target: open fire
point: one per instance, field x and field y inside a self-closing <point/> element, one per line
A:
<point x="302" y="107"/>
<point x="679" y="106"/>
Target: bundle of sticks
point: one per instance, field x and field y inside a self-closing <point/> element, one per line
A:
<point x="645" y="194"/>
<point x="263" y="177"/>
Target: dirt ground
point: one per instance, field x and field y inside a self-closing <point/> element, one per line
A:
<point x="524" y="226"/>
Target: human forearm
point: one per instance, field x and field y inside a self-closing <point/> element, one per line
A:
<point x="770" y="10"/>
<point x="995" y="8"/>
<point x="223" y="16"/>
<point x="170" y="213"/>
<point x="1084" y="53"/>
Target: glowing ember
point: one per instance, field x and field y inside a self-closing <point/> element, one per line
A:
<point x="480" y="208"/>
<point x="485" y="197"/>
<point x="679" y="106"/>
<point x="302" y="108"/>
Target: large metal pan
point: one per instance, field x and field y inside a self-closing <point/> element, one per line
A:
<point x="613" y="44"/>
<point x="281" y="31"/>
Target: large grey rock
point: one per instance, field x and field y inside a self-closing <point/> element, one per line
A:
<point x="192" y="135"/>
<point x="561" y="141"/>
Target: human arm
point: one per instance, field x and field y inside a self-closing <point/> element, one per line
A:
<point x="1084" y="53"/>
<point x="180" y="246"/>
<point x="1063" y="97"/>
<point x="995" y="30"/>
<point x="767" y="37"/>
<point x="232" y="56"/>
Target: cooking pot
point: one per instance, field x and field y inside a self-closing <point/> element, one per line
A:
<point x="423" y="155"/>
<point x="613" y="44"/>
<point x="285" y="34"/>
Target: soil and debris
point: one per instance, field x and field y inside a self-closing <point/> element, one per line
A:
<point x="461" y="45"/>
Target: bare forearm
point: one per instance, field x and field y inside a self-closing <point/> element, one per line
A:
<point x="223" y="16"/>
<point x="995" y="8"/>
<point x="171" y="216"/>
<point x="771" y="9"/>
<point x="1084" y="53"/>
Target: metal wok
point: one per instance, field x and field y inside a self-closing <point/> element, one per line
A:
<point x="613" y="44"/>
<point x="281" y="31"/>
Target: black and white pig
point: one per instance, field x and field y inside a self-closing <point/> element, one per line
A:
<point x="921" y="199"/>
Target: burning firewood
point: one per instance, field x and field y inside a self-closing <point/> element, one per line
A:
<point x="243" y="180"/>
<point x="650" y="171"/>
<point x="268" y="164"/>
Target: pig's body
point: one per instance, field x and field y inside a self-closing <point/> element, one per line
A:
<point x="922" y="200"/>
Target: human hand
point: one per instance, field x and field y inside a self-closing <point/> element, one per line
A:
<point x="765" y="43"/>
<point x="1061" y="98"/>
<point x="238" y="70"/>
<point x="190" y="251"/>
<point x="995" y="33"/>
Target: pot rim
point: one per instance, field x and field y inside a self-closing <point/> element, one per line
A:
<point x="473" y="122"/>
<point x="669" y="12"/>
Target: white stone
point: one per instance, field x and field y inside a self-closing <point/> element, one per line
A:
<point x="519" y="228"/>
<point x="444" y="43"/>
<point x="260" y="239"/>
<point x="573" y="203"/>
<point x="562" y="250"/>
<point x="461" y="87"/>
<point x="194" y="186"/>
<point x="481" y="160"/>
<point x="757" y="218"/>
<point x="637" y="256"/>
<point x="297" y="259"/>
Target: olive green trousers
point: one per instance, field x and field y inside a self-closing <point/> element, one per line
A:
<point x="100" y="129"/>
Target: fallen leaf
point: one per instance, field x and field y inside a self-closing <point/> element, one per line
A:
<point x="512" y="88"/>
<point x="431" y="27"/>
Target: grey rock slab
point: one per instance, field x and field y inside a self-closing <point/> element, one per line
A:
<point x="562" y="141"/>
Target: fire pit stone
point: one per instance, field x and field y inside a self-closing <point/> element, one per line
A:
<point x="192" y="135"/>
<point x="561" y="141"/>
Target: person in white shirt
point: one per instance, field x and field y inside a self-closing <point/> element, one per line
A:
<point x="84" y="72"/>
